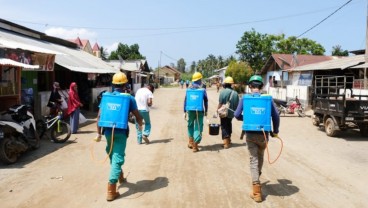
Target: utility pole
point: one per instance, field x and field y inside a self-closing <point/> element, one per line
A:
<point x="366" y="51"/>
<point x="159" y="66"/>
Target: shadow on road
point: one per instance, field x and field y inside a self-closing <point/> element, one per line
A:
<point x="218" y="147"/>
<point x="348" y="135"/>
<point x="161" y="141"/>
<point x="143" y="186"/>
<point x="283" y="188"/>
<point x="46" y="148"/>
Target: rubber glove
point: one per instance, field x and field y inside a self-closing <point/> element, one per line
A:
<point x="273" y="134"/>
<point x="97" y="138"/>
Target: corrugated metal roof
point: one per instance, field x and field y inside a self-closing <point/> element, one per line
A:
<point x="9" y="62"/>
<point x="222" y="69"/>
<point x="289" y="61"/>
<point x="13" y="41"/>
<point x="365" y="65"/>
<point x="128" y="65"/>
<point x="81" y="61"/>
<point x="342" y="63"/>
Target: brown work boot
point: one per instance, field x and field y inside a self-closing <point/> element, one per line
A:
<point x="195" y="147"/>
<point x="145" y="138"/>
<point x="226" y="143"/>
<point x="190" y="143"/>
<point x="121" y="177"/>
<point x="111" y="192"/>
<point x="256" y="194"/>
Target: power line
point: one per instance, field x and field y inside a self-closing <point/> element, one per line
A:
<point x="179" y="28"/>
<point x="168" y="56"/>
<point x="325" y="18"/>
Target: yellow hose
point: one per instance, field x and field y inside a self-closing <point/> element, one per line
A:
<point x="112" y="143"/>
<point x="268" y="153"/>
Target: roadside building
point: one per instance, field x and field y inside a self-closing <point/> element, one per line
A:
<point x="167" y="75"/>
<point x="58" y="60"/>
<point x="283" y="82"/>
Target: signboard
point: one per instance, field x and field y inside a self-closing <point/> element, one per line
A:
<point x="45" y="61"/>
<point x="305" y="79"/>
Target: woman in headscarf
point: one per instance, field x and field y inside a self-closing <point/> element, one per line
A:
<point x="74" y="104"/>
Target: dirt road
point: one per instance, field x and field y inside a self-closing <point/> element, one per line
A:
<point x="313" y="171"/>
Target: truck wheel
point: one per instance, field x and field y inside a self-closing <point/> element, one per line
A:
<point x="330" y="127"/>
<point x="363" y="129"/>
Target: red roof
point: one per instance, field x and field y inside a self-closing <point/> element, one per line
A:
<point x="172" y="69"/>
<point x="84" y="42"/>
<point x="96" y="47"/>
<point x="76" y="41"/>
<point x="289" y="61"/>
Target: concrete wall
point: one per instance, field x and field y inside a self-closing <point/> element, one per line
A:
<point x="290" y="92"/>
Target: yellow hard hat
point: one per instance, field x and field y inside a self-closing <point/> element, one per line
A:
<point x="119" y="78"/>
<point x="196" y="76"/>
<point x="229" y="80"/>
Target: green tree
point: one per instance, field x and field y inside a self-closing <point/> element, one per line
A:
<point x="299" y="46"/>
<point x="239" y="71"/>
<point x="126" y="52"/>
<point x="229" y="60"/>
<point x="103" y="53"/>
<point x="254" y="48"/>
<point x="181" y="65"/>
<point x="338" y="51"/>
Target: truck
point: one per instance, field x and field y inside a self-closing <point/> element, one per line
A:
<point x="336" y="107"/>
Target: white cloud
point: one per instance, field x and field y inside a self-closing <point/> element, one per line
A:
<point x="112" y="47"/>
<point x="72" y="33"/>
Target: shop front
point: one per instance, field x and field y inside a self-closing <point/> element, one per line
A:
<point x="18" y="76"/>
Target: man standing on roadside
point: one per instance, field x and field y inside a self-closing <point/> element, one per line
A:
<point x="144" y="97"/>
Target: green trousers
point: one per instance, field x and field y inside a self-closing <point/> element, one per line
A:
<point x="195" y="125"/>
<point x="117" y="154"/>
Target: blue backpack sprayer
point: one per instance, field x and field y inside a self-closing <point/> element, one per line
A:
<point x="114" y="110"/>
<point x="194" y="101"/>
<point x="257" y="116"/>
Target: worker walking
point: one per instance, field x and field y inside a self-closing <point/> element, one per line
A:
<point x="195" y="107"/>
<point x="111" y="113"/>
<point x="230" y="96"/>
<point x="257" y="139"/>
<point x="144" y="97"/>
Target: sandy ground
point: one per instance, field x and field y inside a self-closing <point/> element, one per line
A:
<point x="313" y="171"/>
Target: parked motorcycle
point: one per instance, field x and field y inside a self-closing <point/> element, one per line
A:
<point x="290" y="107"/>
<point x="17" y="133"/>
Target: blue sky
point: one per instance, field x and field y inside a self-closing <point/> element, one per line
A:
<point x="191" y="29"/>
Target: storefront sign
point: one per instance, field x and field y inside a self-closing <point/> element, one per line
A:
<point x="45" y="61"/>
